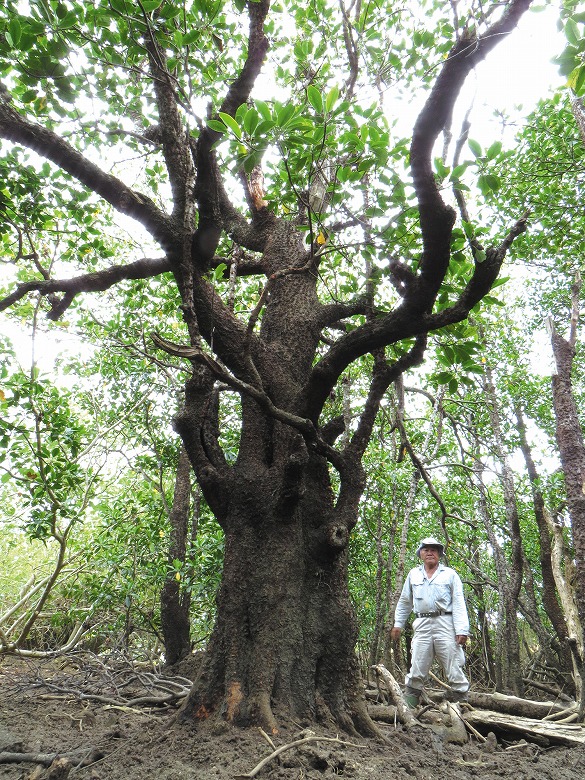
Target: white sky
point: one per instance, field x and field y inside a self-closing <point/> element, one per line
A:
<point x="517" y="72"/>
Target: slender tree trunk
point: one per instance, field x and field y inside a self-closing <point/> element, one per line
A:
<point x="513" y="677"/>
<point x="563" y="566"/>
<point x="175" y="600"/>
<point x="484" y="638"/>
<point x="530" y="610"/>
<point x="569" y="438"/>
<point x="399" y="574"/>
<point x="502" y="581"/>
<point x="549" y="598"/>
<point x="381" y="574"/>
<point x="432" y="438"/>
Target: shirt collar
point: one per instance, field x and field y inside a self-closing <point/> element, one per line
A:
<point x="439" y="568"/>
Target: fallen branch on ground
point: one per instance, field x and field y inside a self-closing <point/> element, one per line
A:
<point x="78" y="757"/>
<point x="290" y="745"/>
<point x="515" y="705"/>
<point x="403" y="712"/>
<point x="535" y="730"/>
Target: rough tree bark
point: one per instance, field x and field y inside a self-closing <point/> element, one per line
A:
<point x="285" y="631"/>
<point x="563" y="566"/>
<point x="550" y="601"/>
<point x="571" y="446"/>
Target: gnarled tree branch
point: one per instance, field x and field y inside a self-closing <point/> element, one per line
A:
<point x="93" y="282"/>
<point x="19" y="130"/>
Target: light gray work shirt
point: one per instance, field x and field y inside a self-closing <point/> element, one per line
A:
<point x="442" y="591"/>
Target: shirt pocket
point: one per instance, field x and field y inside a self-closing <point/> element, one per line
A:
<point x="421" y="598"/>
<point x="442" y="594"/>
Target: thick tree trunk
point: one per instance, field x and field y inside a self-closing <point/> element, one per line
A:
<point x="286" y="629"/>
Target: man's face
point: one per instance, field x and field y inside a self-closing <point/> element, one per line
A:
<point x="430" y="555"/>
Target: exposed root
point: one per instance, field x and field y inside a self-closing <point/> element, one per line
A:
<point x="261" y="713"/>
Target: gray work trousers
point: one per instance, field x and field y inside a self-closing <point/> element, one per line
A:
<point x="434" y="637"/>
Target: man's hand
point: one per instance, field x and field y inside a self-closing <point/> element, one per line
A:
<point x="395" y="634"/>
<point x="461" y="639"/>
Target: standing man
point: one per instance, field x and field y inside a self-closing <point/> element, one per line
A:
<point x="441" y="627"/>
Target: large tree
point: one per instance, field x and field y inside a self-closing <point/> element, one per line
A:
<point x="324" y="201"/>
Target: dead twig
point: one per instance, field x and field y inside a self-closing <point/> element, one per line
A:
<point x="439" y="682"/>
<point x="563" y="714"/>
<point x="267" y="738"/>
<point x="289" y="746"/>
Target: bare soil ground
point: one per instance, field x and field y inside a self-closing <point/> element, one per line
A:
<point x="43" y="711"/>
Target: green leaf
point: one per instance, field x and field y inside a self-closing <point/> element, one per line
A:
<point x="315" y="98"/>
<point x="231" y="123"/>
<point x="568" y="60"/>
<point x="15" y="31"/>
<point x="491" y="301"/>
<point x="71" y="19"/>
<point x="284" y="114"/>
<point x="576" y="80"/>
<point x="218" y="271"/>
<point x="468" y="228"/>
<point x="214" y="124"/>
<point x="29" y="96"/>
<point x="475" y="147"/>
<point x="118" y="5"/>
<point x="440" y="167"/>
<point x="263" y="110"/>
<point x="494" y="150"/>
<point x="572" y="31"/>
<point x="191" y="37"/>
<point x="459" y="170"/>
<point x="493" y="181"/>
<point x="252" y="160"/>
<point x="251" y="119"/>
<point x="264" y="126"/>
<point x="488" y="182"/>
<point x="331" y="99"/>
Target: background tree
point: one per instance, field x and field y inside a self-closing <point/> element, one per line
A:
<point x="125" y="79"/>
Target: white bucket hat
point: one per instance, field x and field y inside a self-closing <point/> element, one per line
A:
<point x="430" y="541"/>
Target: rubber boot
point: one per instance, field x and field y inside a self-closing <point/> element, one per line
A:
<point x="412" y="697"/>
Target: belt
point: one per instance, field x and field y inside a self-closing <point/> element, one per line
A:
<point x="433" y="614"/>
